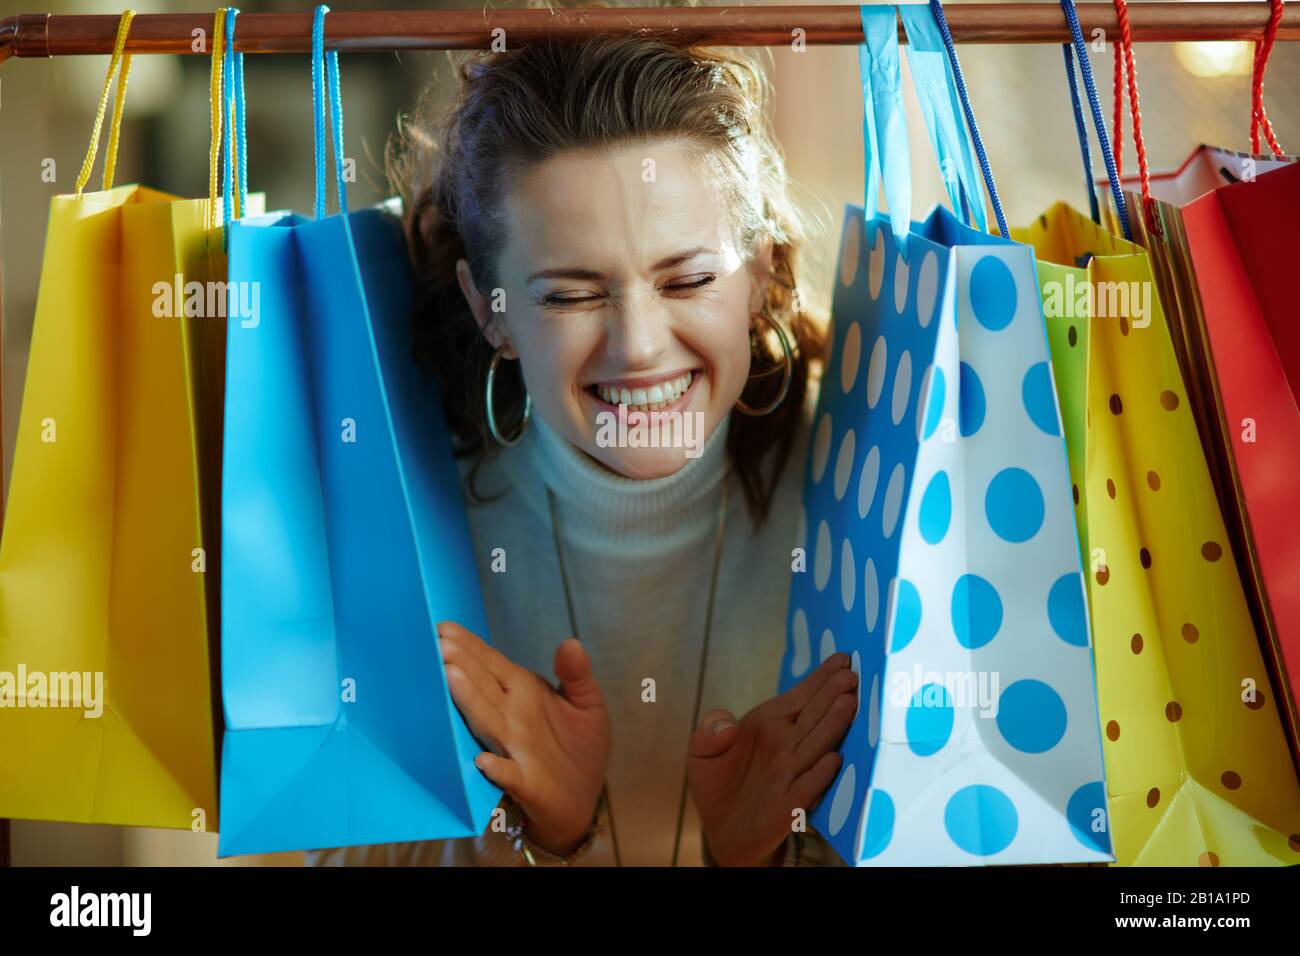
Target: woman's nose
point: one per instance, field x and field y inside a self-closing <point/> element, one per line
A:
<point x="640" y="333"/>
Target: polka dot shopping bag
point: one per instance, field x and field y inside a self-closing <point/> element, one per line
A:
<point x="943" y="554"/>
<point x="1197" y="766"/>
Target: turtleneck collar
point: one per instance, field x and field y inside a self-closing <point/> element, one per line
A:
<point x="610" y="511"/>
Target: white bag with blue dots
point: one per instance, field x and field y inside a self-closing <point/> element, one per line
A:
<point x="944" y="556"/>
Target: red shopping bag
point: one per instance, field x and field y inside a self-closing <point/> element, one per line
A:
<point x="1244" y="248"/>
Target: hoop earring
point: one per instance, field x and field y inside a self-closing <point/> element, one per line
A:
<point x="787" y="373"/>
<point x="491" y="415"/>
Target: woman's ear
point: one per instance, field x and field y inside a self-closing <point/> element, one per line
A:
<point x="479" y="306"/>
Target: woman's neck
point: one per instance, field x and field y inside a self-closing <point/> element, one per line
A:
<point x="610" y="510"/>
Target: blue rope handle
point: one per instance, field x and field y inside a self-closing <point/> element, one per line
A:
<point x="336" y="109"/>
<point x="241" y="139"/>
<point x="317" y="104"/>
<point x="1109" y="157"/>
<point x="937" y="9"/>
<point x="227" y="88"/>
<point x="1081" y="129"/>
<point x="327" y="109"/>
<point x="232" y="94"/>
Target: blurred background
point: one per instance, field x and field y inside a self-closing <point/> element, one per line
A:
<point x="1190" y="94"/>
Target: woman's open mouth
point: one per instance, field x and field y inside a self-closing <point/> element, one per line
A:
<point x="662" y="394"/>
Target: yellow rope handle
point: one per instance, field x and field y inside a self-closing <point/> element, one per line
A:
<point x="214" y="151"/>
<point x="119" y="44"/>
<point x="115" y="129"/>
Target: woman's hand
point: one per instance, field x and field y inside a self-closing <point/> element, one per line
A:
<point x="549" y="749"/>
<point x="747" y="778"/>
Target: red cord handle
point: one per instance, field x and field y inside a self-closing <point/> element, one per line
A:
<point x="1262" y="49"/>
<point x="1126" y="63"/>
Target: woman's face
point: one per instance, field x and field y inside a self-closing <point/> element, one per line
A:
<point x="621" y="285"/>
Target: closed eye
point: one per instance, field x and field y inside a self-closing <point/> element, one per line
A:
<point x="580" y="298"/>
<point x="568" y="300"/>
<point x="698" y="284"/>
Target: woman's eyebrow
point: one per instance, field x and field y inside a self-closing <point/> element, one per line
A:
<point x="574" y="272"/>
<point x="669" y="261"/>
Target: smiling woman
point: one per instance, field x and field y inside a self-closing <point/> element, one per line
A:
<point x="572" y="182"/>
<point x="610" y="298"/>
<point x="612" y="213"/>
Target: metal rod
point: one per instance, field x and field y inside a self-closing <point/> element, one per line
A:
<point x="43" y="35"/>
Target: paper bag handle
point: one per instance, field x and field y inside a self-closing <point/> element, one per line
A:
<point x="884" y="126"/>
<point x="1081" y="49"/>
<point x="884" y="132"/>
<point x="122" y="60"/>
<point x="327" y="110"/>
<point x="942" y="21"/>
<point x="937" y="93"/>
<point x="235" y="177"/>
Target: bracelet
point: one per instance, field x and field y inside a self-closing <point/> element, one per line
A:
<point x="531" y="853"/>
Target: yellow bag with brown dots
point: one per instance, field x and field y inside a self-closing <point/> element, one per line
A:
<point x="1197" y="767"/>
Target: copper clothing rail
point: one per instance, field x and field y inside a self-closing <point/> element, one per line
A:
<point x="43" y="35"/>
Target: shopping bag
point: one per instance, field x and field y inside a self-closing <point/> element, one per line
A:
<point x="1204" y="170"/>
<point x="942" y="549"/>
<point x="107" y="566"/>
<point x="1175" y="278"/>
<point x="344" y="543"/>
<point x="1201" y="174"/>
<point x="1197" y="768"/>
<point x="1221" y="259"/>
<point x="1242" y="263"/>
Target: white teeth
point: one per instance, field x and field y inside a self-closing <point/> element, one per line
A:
<point x="647" y="399"/>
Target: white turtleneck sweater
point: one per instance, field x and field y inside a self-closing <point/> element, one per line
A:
<point x="639" y="557"/>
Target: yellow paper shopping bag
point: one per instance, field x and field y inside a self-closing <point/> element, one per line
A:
<point x="1197" y="767"/>
<point x="107" y="588"/>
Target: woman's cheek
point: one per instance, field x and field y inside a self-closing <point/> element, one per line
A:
<point x="553" y="372"/>
<point x="726" y="351"/>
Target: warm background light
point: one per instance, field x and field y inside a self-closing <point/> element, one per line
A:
<point x="1219" y="58"/>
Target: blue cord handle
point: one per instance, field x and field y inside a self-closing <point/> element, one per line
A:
<point x="241" y="144"/>
<point x="317" y="132"/>
<point x="327" y="111"/>
<point x="936" y="8"/>
<point x="1091" y="89"/>
<point x="232" y="94"/>
<point x="336" y="110"/>
<point x="1081" y="130"/>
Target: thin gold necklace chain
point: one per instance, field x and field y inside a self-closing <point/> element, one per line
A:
<point x="704" y="652"/>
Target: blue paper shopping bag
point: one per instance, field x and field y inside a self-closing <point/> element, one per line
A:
<point x="943" y="553"/>
<point x="344" y="542"/>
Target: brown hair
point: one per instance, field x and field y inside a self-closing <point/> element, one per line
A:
<point x="517" y="108"/>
